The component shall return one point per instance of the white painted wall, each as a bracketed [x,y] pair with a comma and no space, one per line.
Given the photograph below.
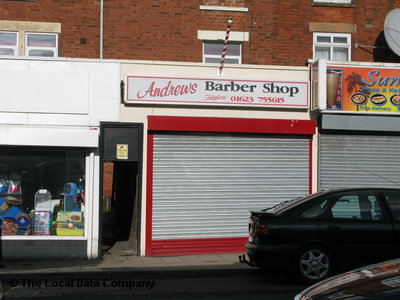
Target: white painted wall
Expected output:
[58,91]
[56,102]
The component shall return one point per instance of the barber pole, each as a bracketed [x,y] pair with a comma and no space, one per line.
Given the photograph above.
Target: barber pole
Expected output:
[229,22]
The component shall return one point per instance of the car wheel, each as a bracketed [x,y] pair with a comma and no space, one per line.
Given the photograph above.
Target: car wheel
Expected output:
[312,264]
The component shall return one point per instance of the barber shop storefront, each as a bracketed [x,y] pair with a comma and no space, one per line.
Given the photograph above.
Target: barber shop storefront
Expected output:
[217,147]
[359,133]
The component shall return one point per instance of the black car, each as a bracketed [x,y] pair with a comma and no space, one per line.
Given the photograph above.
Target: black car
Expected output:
[322,233]
[378,281]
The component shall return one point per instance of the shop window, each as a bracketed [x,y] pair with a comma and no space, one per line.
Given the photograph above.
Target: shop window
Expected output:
[332,46]
[8,43]
[42,192]
[41,44]
[212,51]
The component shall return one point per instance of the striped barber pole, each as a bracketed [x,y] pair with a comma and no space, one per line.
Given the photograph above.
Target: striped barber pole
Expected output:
[228,30]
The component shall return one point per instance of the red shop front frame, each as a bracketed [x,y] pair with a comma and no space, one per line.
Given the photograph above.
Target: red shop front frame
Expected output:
[211,125]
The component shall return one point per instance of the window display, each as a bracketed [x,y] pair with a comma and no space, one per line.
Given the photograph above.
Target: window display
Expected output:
[42,191]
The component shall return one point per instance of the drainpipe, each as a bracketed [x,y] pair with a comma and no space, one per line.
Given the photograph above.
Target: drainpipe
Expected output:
[101,27]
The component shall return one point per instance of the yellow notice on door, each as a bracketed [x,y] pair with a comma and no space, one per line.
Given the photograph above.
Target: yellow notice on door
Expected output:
[122,151]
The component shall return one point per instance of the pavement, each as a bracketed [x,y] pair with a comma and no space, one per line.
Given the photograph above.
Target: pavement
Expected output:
[118,260]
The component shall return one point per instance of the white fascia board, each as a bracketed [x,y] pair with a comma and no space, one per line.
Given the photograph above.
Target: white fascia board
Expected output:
[213,35]
[223,8]
[53,137]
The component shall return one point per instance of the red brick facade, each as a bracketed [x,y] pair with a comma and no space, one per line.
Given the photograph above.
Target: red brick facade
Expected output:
[166,30]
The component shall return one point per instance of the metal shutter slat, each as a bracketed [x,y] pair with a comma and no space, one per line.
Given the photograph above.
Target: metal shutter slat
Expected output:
[358,160]
[205,185]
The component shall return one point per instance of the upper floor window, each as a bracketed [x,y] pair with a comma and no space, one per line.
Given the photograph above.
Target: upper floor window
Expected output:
[8,43]
[332,46]
[23,38]
[41,44]
[212,51]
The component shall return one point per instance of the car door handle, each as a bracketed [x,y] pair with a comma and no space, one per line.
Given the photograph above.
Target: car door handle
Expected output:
[334,227]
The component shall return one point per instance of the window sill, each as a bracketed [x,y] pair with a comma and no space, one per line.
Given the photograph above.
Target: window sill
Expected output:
[212,35]
[345,5]
[224,8]
[41,237]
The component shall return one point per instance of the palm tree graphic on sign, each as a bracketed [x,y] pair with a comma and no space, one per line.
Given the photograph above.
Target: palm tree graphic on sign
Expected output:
[355,84]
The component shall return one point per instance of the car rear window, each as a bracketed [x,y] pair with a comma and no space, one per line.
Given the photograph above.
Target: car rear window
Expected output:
[285,205]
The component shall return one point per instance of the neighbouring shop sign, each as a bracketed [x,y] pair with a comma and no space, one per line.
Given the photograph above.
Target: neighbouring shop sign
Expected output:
[194,91]
[362,89]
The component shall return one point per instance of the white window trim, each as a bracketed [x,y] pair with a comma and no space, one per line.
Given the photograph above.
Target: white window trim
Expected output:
[223,8]
[219,56]
[333,1]
[39,237]
[23,26]
[16,47]
[218,36]
[331,45]
[28,48]
[214,35]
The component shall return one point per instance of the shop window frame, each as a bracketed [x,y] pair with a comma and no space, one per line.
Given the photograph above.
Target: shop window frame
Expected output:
[88,163]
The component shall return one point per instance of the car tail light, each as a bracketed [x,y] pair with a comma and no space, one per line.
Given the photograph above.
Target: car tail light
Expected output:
[258,228]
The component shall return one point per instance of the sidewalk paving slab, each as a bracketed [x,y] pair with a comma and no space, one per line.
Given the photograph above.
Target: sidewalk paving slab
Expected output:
[118,263]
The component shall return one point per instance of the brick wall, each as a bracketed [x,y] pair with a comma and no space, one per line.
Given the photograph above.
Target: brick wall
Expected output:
[230,3]
[79,19]
[167,29]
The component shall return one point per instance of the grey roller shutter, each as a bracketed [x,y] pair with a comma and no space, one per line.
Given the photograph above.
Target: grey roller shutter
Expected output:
[359,161]
[205,185]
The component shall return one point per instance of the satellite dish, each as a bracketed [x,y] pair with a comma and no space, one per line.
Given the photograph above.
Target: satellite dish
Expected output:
[392,30]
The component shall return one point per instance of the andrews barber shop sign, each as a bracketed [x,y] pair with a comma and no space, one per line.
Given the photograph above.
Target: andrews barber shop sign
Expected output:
[194,91]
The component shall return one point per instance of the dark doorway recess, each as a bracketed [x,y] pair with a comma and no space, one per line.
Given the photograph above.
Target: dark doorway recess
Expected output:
[121,187]
[118,208]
